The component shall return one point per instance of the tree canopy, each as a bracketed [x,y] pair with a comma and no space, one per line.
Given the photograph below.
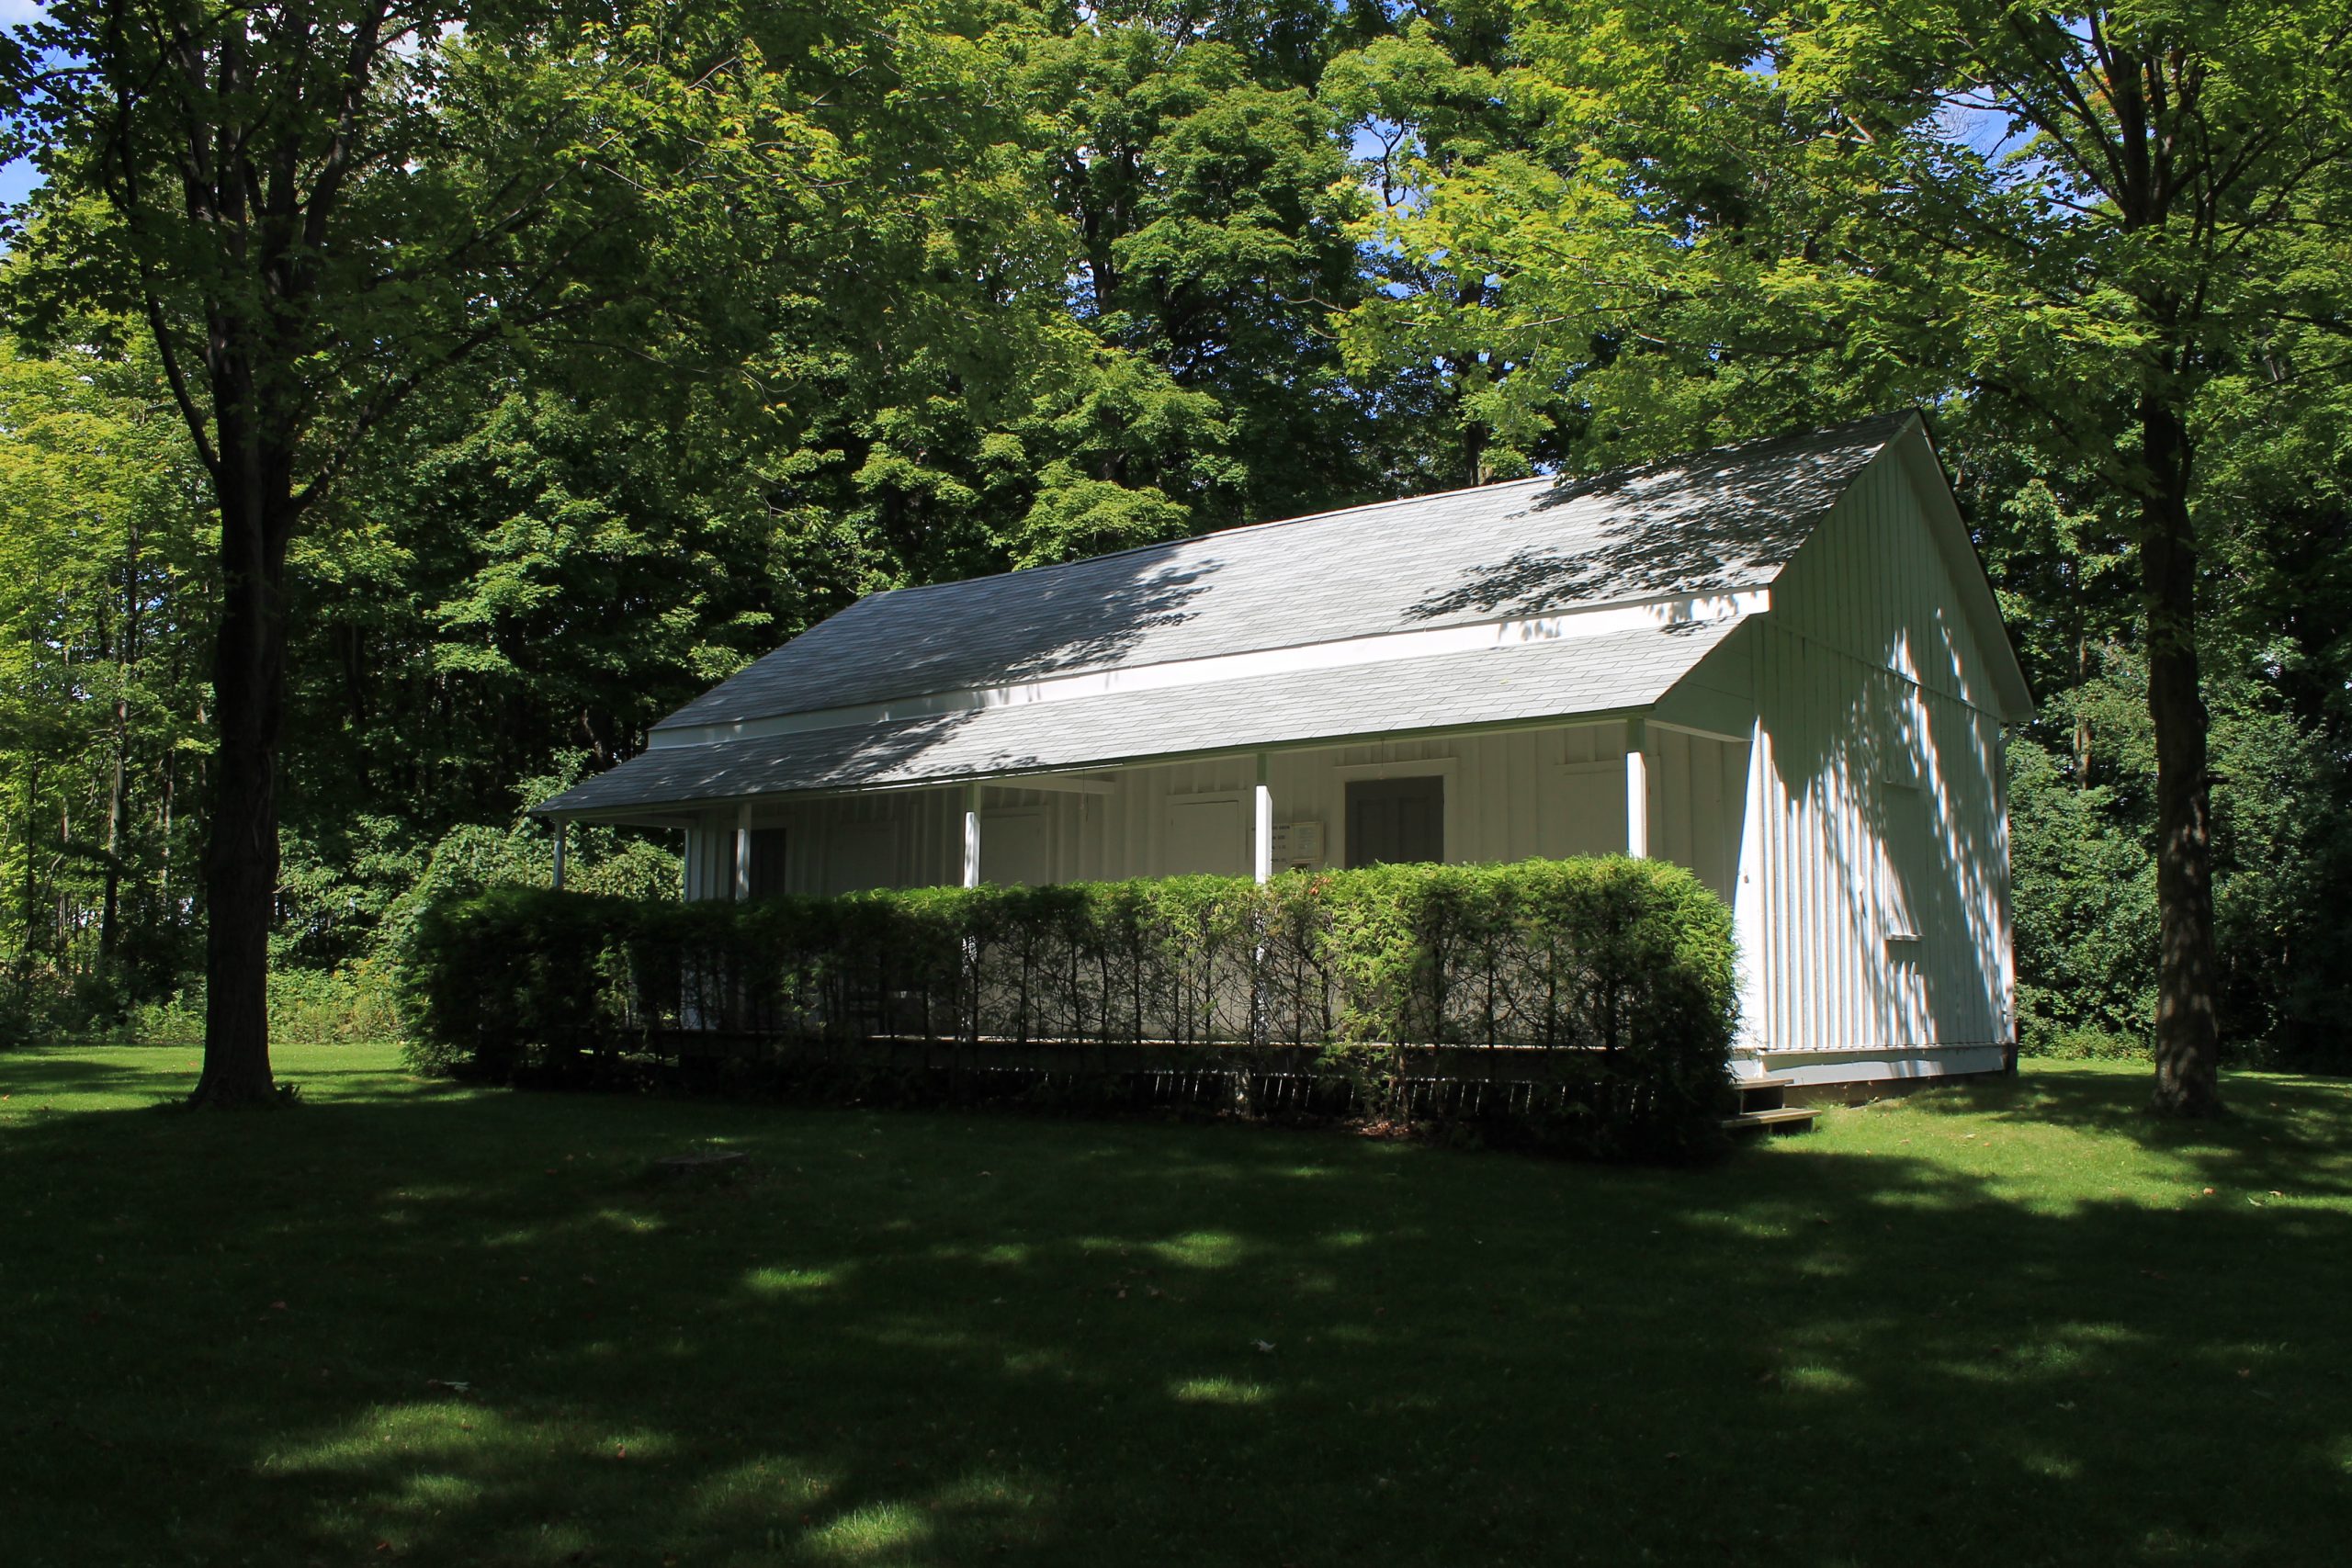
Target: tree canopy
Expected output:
[405,405]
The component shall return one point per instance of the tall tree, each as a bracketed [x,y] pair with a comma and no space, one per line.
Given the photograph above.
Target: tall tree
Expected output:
[318,207]
[1425,100]
[1210,198]
[2108,222]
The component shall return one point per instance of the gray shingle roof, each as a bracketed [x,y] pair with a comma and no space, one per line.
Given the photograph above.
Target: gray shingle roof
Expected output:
[1719,521]
[1729,518]
[1617,670]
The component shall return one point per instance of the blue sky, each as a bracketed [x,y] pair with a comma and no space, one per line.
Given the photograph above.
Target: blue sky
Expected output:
[17,178]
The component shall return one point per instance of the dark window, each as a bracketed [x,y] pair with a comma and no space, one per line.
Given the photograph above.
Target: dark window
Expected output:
[1395,820]
[767,862]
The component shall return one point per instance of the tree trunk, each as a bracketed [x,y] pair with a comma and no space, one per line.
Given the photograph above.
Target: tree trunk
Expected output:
[32,856]
[2187,1036]
[1473,433]
[163,828]
[240,858]
[126,653]
[110,902]
[2082,721]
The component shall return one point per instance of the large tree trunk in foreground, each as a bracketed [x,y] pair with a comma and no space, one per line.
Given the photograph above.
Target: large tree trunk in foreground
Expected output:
[240,857]
[2188,1035]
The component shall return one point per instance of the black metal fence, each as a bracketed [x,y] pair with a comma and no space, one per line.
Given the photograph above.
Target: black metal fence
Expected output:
[1595,994]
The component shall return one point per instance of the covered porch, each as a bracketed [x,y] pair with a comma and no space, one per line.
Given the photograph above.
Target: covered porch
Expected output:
[1623,784]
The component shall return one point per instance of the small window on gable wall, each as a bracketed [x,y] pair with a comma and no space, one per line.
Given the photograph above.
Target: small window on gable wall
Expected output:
[1904,850]
[1902,858]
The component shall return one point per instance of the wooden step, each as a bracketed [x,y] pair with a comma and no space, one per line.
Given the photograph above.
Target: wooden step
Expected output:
[1793,1117]
[1767,1081]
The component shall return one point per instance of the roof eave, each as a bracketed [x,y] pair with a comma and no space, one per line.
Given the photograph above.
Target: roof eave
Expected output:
[682,810]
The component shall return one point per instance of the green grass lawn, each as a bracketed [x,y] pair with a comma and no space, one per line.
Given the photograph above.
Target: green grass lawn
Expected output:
[2010,1325]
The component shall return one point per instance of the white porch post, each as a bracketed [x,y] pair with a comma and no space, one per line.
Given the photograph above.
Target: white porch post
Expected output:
[562,831]
[1637,789]
[971,835]
[1261,823]
[744,851]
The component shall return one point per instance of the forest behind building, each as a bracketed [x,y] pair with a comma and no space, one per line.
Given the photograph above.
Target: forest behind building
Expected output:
[882,293]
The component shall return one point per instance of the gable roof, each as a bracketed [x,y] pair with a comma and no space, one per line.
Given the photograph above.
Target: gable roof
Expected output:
[1417,610]
[1724,519]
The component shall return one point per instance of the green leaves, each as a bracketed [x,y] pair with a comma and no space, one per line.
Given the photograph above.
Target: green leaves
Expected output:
[104,597]
[640,339]
[1624,966]
[2095,239]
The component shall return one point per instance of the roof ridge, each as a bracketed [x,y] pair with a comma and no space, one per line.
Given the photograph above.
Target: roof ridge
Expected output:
[1745,444]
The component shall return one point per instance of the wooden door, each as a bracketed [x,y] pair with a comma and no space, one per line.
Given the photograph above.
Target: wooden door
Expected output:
[1395,821]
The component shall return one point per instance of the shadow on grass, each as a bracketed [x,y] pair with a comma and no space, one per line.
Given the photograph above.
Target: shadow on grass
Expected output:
[37,1075]
[480,1328]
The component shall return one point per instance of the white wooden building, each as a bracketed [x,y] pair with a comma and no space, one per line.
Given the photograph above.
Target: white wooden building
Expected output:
[1779,664]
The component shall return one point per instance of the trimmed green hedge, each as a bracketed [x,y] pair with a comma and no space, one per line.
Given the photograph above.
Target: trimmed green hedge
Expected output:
[1623,968]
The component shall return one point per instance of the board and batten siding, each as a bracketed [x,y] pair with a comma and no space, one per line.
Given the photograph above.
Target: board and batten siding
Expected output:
[1552,791]
[1873,900]
[838,845]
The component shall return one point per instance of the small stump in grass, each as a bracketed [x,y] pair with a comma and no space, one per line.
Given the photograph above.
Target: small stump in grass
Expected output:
[717,1165]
